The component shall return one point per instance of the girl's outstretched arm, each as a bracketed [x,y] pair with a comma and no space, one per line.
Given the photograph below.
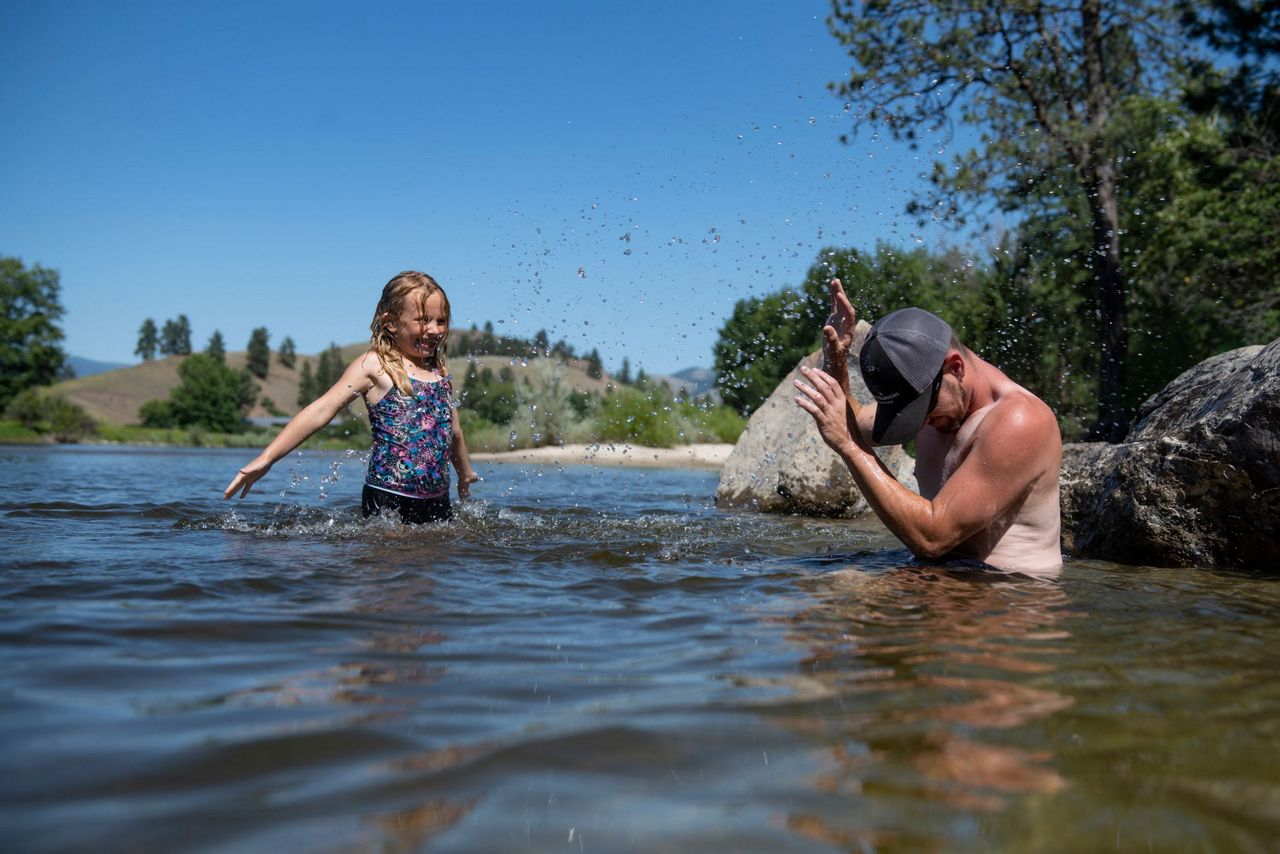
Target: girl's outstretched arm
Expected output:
[461,460]
[355,381]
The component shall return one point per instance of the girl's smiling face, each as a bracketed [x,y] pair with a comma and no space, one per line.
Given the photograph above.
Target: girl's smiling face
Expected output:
[420,328]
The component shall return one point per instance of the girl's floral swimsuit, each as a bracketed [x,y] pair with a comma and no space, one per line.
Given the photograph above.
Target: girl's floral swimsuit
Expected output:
[412,440]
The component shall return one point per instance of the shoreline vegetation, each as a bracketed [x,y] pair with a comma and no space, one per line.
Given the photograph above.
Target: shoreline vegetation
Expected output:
[701,455]
[527,395]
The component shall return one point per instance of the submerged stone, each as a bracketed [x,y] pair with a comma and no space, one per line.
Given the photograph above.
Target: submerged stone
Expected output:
[781,465]
[1197,480]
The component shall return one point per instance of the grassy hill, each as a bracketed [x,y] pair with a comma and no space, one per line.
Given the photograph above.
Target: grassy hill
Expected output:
[114,397]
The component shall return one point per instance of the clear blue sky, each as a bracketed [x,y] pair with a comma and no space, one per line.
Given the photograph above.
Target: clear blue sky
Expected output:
[273,164]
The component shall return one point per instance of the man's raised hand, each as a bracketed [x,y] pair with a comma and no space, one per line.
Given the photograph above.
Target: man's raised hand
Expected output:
[837,335]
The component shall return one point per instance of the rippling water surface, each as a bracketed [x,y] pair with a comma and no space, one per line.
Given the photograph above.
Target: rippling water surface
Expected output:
[593,659]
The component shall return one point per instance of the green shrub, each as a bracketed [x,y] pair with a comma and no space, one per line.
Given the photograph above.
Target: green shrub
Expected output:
[51,414]
[68,422]
[270,405]
[643,417]
[211,396]
[156,413]
[712,423]
[26,408]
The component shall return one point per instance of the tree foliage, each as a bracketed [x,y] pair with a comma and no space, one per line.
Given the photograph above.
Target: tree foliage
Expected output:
[287,355]
[493,398]
[50,414]
[306,384]
[1044,83]
[217,348]
[210,395]
[175,337]
[329,369]
[595,367]
[258,352]
[31,351]
[148,341]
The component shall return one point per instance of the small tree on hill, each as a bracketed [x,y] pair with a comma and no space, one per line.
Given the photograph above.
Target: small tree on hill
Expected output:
[258,352]
[168,338]
[148,340]
[217,348]
[184,336]
[287,355]
[595,368]
[329,370]
[175,337]
[306,383]
[624,374]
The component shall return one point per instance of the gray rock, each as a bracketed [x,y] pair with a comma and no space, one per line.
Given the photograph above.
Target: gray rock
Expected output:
[781,465]
[1197,480]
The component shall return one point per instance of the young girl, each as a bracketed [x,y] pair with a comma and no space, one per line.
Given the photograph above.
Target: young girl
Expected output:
[408,394]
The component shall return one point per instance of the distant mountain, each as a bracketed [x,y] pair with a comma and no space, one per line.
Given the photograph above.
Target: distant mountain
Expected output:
[88,367]
[696,381]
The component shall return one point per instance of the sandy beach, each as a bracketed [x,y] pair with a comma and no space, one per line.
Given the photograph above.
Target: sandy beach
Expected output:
[615,454]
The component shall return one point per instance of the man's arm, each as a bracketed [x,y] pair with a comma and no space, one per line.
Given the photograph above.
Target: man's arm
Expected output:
[999,471]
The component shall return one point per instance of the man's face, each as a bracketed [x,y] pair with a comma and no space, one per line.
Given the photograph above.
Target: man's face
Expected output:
[949,413]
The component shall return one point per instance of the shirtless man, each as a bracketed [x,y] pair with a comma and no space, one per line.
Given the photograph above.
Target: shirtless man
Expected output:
[988,451]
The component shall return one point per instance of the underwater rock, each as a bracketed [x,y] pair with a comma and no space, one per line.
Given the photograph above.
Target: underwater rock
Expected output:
[781,464]
[1197,480]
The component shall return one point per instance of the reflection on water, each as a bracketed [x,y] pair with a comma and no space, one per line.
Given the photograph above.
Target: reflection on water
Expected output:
[925,677]
[599,660]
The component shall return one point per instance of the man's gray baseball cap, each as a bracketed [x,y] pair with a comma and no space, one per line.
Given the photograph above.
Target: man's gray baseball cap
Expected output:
[901,363]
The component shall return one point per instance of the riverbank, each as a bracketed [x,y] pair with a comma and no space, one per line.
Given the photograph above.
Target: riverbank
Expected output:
[697,456]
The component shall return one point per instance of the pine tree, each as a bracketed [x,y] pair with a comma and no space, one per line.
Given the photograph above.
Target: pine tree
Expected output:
[306,384]
[287,355]
[216,347]
[148,340]
[182,338]
[329,370]
[169,339]
[259,353]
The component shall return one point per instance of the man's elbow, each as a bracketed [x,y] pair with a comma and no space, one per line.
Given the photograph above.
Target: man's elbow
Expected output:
[933,546]
[929,552]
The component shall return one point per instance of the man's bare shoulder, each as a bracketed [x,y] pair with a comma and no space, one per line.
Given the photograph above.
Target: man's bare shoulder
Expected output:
[1020,428]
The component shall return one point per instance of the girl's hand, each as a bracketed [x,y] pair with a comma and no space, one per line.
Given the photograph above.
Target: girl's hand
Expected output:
[246,478]
[464,484]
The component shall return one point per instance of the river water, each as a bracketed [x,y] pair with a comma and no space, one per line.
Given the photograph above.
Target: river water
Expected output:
[594,659]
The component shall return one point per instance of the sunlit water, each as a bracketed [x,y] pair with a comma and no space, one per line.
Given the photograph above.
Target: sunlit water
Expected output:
[594,659]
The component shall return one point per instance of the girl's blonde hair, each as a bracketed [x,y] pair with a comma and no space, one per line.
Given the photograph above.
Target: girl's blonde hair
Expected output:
[396,295]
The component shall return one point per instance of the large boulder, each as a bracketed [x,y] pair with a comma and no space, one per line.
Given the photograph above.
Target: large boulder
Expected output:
[1197,480]
[781,464]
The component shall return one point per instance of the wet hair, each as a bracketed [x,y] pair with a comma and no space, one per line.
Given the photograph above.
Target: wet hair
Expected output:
[397,295]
